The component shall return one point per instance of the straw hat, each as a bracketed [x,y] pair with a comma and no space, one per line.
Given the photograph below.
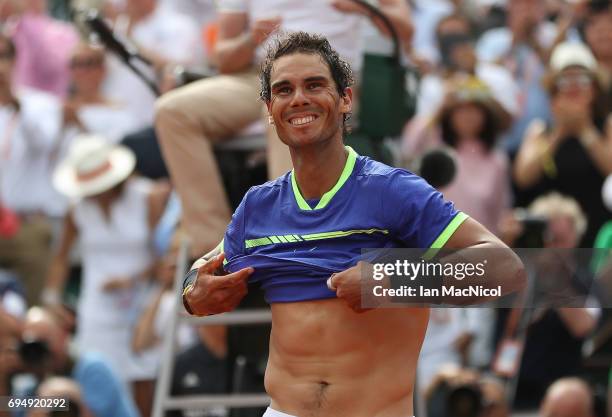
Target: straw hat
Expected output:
[93,166]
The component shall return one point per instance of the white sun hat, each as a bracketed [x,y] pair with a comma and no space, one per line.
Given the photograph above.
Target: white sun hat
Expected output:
[569,54]
[93,166]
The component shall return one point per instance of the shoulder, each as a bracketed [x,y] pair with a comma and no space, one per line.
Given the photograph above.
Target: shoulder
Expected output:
[374,173]
[268,190]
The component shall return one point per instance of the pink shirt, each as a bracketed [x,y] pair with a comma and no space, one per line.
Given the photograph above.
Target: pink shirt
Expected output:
[44,46]
[481,187]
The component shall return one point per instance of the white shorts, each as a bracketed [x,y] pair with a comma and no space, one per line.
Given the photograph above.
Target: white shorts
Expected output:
[273,413]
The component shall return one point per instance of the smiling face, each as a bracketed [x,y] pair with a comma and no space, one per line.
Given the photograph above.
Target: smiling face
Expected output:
[304,102]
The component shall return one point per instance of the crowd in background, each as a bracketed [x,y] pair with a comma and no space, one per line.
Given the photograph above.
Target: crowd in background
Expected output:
[101,180]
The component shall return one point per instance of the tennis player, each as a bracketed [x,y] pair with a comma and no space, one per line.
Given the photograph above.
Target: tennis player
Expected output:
[329,357]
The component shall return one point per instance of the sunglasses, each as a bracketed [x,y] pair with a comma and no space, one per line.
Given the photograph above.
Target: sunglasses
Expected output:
[565,82]
[86,63]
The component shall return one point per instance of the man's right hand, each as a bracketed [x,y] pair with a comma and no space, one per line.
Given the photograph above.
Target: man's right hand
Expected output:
[214,294]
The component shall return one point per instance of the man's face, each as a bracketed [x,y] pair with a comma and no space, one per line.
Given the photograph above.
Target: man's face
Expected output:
[305,103]
[598,34]
[87,69]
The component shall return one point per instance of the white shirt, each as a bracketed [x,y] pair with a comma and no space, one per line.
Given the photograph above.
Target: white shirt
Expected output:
[314,16]
[27,141]
[169,34]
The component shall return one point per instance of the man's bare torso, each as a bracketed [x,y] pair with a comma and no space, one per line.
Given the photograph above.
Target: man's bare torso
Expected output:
[328,361]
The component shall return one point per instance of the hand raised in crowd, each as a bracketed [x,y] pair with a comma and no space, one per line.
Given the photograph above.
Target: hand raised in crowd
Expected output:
[263,28]
[572,115]
[213,293]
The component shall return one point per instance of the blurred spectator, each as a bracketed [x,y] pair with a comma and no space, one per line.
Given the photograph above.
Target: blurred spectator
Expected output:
[191,118]
[30,123]
[597,29]
[45,352]
[65,388]
[87,109]
[574,154]
[522,47]
[550,328]
[455,40]
[471,123]
[153,323]
[9,361]
[12,304]
[114,218]
[160,35]
[44,45]
[568,397]
[456,391]
[201,369]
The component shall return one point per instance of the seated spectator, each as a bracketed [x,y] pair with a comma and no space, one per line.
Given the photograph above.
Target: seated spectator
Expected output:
[102,391]
[31,122]
[573,155]
[44,45]
[568,397]
[114,216]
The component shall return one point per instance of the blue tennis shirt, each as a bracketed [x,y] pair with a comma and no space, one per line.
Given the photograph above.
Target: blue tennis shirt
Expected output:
[294,245]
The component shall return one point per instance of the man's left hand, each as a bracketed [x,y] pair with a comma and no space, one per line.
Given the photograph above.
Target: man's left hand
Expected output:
[348,286]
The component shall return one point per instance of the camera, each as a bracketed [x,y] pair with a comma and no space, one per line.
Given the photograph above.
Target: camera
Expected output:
[450,400]
[34,353]
[534,230]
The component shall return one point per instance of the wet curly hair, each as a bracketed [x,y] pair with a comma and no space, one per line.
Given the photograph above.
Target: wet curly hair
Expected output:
[306,43]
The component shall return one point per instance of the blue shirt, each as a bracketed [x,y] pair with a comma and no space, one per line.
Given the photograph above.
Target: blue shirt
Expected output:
[295,247]
[103,393]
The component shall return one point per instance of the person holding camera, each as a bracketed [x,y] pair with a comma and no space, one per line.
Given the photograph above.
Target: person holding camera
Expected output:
[45,352]
[562,318]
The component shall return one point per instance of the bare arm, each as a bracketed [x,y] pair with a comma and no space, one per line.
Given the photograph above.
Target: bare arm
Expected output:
[58,270]
[144,333]
[536,149]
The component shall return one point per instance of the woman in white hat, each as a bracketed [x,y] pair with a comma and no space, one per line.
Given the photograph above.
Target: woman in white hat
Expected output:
[113,216]
[574,154]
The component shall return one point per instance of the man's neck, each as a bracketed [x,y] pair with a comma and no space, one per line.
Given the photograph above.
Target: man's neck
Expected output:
[317,168]
[86,97]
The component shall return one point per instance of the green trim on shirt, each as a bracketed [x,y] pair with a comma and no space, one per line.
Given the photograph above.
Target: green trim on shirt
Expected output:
[346,172]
